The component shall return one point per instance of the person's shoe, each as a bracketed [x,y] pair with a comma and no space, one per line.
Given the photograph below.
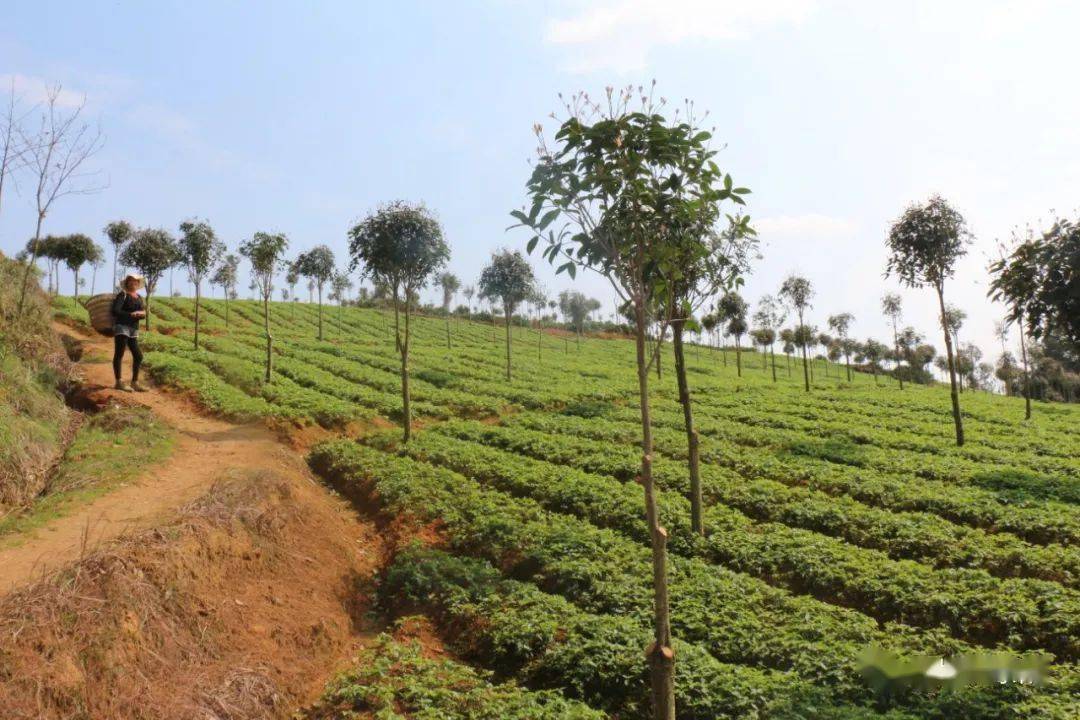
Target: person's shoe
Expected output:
[137,387]
[122,386]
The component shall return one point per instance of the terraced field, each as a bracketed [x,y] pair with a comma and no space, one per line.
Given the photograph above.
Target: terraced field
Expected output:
[836,519]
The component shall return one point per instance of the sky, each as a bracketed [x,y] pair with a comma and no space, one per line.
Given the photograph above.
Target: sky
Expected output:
[302,117]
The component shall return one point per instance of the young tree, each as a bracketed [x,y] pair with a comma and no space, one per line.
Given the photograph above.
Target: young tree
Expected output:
[95,265]
[1040,284]
[841,325]
[732,309]
[226,276]
[292,279]
[709,321]
[152,251]
[769,317]
[623,182]
[873,352]
[200,251]
[341,285]
[954,320]
[509,279]
[77,250]
[119,233]
[318,266]
[892,307]
[797,292]
[402,246]
[469,291]
[787,336]
[924,245]
[266,252]
[449,284]
[55,155]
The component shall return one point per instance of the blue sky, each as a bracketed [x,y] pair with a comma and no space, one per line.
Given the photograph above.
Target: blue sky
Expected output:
[302,117]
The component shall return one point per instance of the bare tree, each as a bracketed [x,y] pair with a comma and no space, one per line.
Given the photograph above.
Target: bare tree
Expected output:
[56,154]
[12,150]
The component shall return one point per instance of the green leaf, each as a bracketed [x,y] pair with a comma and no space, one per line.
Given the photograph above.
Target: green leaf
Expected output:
[532,244]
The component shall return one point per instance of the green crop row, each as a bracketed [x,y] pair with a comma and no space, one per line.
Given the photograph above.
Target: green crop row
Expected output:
[737,619]
[393,679]
[918,536]
[1025,614]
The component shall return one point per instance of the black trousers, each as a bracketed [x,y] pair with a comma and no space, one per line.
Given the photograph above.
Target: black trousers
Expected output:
[119,343]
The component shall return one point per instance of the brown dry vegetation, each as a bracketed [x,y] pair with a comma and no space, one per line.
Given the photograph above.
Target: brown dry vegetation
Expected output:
[240,608]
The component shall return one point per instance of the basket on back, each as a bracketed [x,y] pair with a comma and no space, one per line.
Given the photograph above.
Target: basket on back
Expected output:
[100,309]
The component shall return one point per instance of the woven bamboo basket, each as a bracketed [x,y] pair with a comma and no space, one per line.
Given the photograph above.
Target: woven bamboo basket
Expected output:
[99,308]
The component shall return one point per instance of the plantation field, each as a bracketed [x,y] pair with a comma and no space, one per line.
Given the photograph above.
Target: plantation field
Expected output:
[835,519]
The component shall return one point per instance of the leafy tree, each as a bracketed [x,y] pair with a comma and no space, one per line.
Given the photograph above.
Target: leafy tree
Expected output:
[575,306]
[924,245]
[797,292]
[292,279]
[509,279]
[119,233]
[713,262]
[266,253]
[226,276]
[341,284]
[151,251]
[841,325]
[201,251]
[317,265]
[469,291]
[626,184]
[449,284]
[787,337]
[709,321]
[873,352]
[769,317]
[1040,281]
[401,246]
[77,250]
[954,320]
[892,307]
[732,309]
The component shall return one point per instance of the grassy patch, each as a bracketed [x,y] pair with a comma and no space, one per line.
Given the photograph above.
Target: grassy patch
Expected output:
[108,451]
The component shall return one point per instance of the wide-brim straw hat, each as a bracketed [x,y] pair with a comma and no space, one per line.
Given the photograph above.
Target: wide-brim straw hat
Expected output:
[133,276]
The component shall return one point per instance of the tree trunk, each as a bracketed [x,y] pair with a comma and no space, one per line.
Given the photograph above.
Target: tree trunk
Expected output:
[226,306]
[320,314]
[507,312]
[805,368]
[76,293]
[772,356]
[738,355]
[30,263]
[448,346]
[539,340]
[959,360]
[692,440]
[660,655]
[952,370]
[149,292]
[269,337]
[115,256]
[1027,373]
[406,408]
[198,295]
[847,362]
[397,320]
[896,349]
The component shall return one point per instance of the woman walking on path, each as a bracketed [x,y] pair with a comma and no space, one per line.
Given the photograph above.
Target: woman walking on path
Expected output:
[127,310]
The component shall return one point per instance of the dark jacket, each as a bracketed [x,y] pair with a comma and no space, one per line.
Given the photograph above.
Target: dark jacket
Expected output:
[122,307]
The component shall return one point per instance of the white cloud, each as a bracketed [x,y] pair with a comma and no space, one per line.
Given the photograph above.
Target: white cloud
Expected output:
[809,226]
[35,90]
[620,35]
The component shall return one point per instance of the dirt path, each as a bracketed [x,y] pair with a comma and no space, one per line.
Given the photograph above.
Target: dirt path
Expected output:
[205,449]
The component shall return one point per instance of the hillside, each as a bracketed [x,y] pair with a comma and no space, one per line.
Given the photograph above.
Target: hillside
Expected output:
[836,519]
